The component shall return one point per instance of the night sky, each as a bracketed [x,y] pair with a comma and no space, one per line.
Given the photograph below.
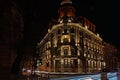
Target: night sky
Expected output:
[103,13]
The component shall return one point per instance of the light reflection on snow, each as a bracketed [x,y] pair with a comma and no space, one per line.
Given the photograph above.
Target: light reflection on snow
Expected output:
[111,76]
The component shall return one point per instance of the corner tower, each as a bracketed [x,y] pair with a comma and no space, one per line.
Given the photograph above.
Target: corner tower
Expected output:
[66,12]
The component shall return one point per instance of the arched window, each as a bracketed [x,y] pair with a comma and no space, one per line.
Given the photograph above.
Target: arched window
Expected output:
[65,50]
[65,40]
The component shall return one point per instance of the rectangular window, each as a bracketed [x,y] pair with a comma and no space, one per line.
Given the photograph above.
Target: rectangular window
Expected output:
[65,31]
[73,52]
[65,50]
[65,63]
[57,64]
[58,52]
[73,63]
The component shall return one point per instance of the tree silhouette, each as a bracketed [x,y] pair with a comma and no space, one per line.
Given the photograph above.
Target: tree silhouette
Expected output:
[16,65]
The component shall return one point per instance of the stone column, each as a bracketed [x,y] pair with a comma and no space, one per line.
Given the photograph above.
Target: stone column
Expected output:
[62,66]
[49,66]
[89,66]
[54,65]
[69,65]
[79,64]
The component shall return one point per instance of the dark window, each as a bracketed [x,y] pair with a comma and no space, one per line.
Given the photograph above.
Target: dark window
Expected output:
[58,52]
[47,64]
[57,64]
[72,36]
[65,31]
[73,53]
[59,40]
[80,33]
[72,30]
[73,63]
[59,31]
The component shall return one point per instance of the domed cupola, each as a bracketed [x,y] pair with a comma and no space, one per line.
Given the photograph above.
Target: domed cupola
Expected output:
[66,12]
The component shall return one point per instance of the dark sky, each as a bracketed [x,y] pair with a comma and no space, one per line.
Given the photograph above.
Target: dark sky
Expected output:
[103,13]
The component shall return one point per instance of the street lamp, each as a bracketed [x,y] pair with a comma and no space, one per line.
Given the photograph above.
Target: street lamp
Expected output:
[39,62]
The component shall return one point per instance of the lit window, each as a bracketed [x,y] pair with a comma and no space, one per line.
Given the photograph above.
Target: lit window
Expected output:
[72,62]
[86,27]
[91,55]
[65,38]
[65,63]
[69,20]
[61,21]
[85,54]
[65,50]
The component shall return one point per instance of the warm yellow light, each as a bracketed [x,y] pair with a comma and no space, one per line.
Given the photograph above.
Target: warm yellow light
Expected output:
[62,61]
[65,36]
[86,27]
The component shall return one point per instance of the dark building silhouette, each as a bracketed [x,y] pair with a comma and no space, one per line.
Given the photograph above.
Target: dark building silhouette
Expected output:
[11,38]
[111,56]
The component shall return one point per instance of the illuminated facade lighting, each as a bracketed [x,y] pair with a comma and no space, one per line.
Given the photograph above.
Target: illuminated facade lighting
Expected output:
[70,46]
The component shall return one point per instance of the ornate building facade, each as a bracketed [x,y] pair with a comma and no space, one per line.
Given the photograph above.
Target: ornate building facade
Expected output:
[71,44]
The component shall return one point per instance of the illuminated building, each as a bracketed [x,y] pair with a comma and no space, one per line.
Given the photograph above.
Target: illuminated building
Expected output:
[111,55]
[71,44]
